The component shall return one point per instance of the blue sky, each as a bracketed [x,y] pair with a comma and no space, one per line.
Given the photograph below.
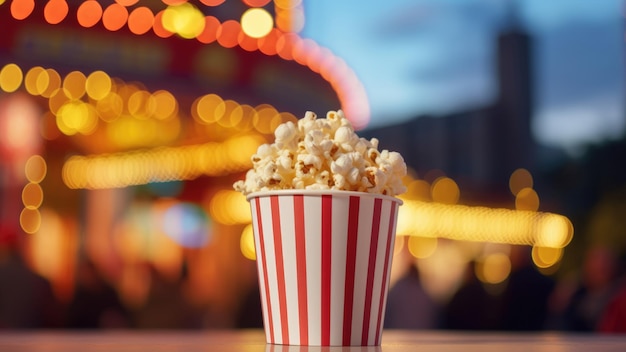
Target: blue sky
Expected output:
[419,57]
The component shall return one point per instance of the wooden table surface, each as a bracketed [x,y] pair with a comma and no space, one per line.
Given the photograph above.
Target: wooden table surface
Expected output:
[254,341]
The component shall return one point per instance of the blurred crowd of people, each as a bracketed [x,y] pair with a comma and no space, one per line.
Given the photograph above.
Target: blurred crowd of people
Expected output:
[27,301]
[593,301]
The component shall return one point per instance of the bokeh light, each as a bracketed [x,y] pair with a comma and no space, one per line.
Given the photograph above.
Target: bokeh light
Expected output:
[30,220]
[74,84]
[11,78]
[483,224]
[140,20]
[493,268]
[35,169]
[246,243]
[445,190]
[114,17]
[421,247]
[256,22]
[230,208]
[77,117]
[527,199]
[36,80]
[159,164]
[32,196]
[228,34]
[187,224]
[545,257]
[184,19]
[166,105]
[208,108]
[89,13]
[19,126]
[20,9]
[54,83]
[520,179]
[98,85]
[55,11]
[256,3]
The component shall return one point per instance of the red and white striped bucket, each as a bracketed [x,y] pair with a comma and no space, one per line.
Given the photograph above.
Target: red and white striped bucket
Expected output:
[323,259]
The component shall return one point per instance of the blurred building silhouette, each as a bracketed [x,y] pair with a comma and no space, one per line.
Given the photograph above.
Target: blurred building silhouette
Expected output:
[479,148]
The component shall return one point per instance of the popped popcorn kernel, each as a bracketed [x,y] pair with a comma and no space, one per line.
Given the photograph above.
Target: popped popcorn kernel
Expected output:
[320,154]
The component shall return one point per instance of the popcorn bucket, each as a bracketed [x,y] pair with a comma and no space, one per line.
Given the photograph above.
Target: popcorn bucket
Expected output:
[323,259]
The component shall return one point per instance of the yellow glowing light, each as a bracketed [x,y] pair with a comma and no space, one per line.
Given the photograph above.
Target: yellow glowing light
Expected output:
[160,164]
[527,199]
[422,247]
[125,90]
[398,245]
[445,190]
[520,179]
[77,117]
[53,83]
[32,196]
[248,115]
[141,104]
[110,107]
[232,114]
[57,99]
[166,105]
[229,207]
[184,19]
[418,190]
[10,78]
[494,268]
[482,224]
[36,80]
[263,119]
[545,257]
[554,231]
[74,84]
[35,169]
[209,108]
[246,243]
[257,22]
[127,132]
[50,247]
[30,220]
[98,85]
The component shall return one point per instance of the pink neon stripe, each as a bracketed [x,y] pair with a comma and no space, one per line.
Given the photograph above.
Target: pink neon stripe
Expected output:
[298,205]
[383,287]
[371,265]
[353,228]
[327,227]
[280,269]
[262,258]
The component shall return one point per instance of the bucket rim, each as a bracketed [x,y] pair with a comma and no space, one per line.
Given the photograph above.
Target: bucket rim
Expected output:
[320,192]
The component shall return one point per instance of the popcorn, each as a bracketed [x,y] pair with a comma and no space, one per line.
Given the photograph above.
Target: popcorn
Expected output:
[320,154]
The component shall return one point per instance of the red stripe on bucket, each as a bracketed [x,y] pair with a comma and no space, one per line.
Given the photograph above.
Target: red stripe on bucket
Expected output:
[371,266]
[303,315]
[327,227]
[383,287]
[263,259]
[280,269]
[353,229]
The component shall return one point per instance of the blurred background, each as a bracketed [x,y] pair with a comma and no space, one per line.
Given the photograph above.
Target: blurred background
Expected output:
[123,125]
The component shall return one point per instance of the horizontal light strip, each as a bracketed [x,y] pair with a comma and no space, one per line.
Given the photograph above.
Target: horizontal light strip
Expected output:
[160,164]
[483,224]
